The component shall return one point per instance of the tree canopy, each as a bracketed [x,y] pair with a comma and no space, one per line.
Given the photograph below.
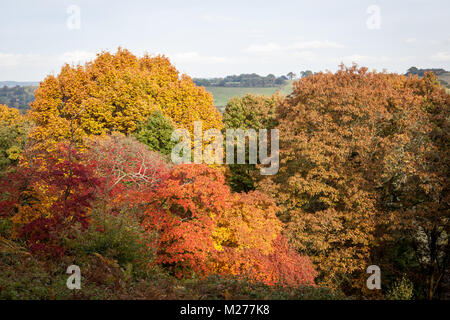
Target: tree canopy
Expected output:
[353,147]
[116,92]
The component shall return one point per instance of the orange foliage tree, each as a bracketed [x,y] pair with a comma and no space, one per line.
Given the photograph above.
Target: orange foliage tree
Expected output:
[282,266]
[115,92]
[418,190]
[249,222]
[183,213]
[204,229]
[347,140]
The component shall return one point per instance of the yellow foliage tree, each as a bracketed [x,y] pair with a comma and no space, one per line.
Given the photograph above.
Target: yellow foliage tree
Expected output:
[10,116]
[349,144]
[13,131]
[114,93]
[250,222]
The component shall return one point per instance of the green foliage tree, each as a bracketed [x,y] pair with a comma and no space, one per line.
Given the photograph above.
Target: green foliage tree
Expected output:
[401,290]
[305,73]
[156,133]
[249,112]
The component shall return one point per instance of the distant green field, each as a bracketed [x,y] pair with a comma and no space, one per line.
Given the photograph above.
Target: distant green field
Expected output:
[445,77]
[223,94]
[287,88]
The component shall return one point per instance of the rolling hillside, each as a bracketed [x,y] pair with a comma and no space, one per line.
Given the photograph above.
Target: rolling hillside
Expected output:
[445,77]
[223,94]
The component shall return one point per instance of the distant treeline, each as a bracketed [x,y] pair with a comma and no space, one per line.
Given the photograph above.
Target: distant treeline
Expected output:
[20,94]
[17,97]
[243,80]
[442,74]
[19,83]
[421,72]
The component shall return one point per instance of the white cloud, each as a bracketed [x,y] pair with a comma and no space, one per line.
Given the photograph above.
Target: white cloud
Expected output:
[275,48]
[195,57]
[18,59]
[32,67]
[362,59]
[316,44]
[256,33]
[216,18]
[444,42]
[76,57]
[306,55]
[264,49]
[441,56]
[13,59]
[410,40]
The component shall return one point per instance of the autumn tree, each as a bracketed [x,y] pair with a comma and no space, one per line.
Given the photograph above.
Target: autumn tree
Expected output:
[250,244]
[13,132]
[283,265]
[249,222]
[344,139]
[249,112]
[46,196]
[416,191]
[115,92]
[156,133]
[204,229]
[52,192]
[183,213]
[129,170]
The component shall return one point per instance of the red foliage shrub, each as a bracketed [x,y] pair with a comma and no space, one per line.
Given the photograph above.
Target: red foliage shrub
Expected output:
[130,171]
[49,196]
[192,214]
[182,212]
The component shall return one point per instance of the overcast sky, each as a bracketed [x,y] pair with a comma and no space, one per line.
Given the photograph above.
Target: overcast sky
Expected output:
[218,38]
